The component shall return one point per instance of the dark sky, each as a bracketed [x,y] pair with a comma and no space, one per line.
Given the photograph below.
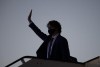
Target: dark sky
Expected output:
[80,20]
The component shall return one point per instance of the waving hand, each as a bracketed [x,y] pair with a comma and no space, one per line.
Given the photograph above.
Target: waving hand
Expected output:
[29,17]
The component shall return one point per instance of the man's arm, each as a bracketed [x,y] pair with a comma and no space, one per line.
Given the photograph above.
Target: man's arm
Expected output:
[35,28]
[65,50]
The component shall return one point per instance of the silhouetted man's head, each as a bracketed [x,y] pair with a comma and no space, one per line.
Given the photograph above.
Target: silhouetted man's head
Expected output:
[54,27]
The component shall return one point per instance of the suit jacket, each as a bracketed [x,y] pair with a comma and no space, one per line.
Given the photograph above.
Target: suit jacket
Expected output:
[60,50]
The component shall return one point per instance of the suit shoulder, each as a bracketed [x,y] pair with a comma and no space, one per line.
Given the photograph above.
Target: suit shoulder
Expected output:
[62,38]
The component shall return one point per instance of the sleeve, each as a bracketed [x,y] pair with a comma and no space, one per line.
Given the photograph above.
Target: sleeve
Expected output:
[65,50]
[38,31]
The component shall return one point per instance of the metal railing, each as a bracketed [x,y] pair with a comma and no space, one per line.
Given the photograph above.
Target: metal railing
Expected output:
[31,57]
[20,59]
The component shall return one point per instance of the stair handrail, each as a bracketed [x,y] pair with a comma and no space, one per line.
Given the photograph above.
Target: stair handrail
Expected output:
[31,57]
[20,59]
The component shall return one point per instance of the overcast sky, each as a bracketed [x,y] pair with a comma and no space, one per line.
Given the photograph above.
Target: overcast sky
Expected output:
[80,20]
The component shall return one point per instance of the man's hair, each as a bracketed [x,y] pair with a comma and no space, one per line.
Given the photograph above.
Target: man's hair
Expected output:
[55,24]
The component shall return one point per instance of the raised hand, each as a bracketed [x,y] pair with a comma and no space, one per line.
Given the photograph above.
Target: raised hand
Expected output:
[29,17]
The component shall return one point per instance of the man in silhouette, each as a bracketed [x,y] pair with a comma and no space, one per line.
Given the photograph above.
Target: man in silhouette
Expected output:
[54,47]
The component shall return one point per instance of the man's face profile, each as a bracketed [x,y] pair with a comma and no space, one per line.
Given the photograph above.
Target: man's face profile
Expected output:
[51,29]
